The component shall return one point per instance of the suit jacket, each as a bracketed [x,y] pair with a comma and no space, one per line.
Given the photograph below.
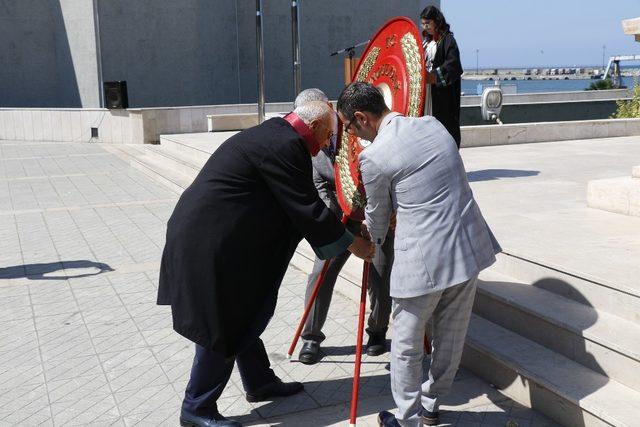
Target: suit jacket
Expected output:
[325,181]
[233,232]
[413,167]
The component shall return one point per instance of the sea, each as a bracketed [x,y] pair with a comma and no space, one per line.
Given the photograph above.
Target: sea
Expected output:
[470,87]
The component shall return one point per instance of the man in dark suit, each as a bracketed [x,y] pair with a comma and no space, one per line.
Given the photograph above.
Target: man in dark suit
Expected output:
[324,180]
[229,242]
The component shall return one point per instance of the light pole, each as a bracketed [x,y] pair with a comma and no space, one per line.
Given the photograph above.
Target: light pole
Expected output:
[295,36]
[260,49]
[604,48]
[96,29]
[477,67]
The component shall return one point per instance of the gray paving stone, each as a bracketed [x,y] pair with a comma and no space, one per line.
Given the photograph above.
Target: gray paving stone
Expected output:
[23,375]
[127,359]
[161,417]
[89,387]
[81,345]
[122,380]
[119,342]
[24,398]
[70,368]
[147,399]
[112,328]
[12,360]
[31,415]
[87,411]
[55,307]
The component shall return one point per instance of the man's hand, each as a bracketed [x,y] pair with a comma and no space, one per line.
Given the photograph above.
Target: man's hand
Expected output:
[431,78]
[392,223]
[364,231]
[362,248]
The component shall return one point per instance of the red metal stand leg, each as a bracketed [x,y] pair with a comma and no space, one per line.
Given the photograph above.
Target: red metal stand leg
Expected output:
[312,300]
[307,309]
[356,371]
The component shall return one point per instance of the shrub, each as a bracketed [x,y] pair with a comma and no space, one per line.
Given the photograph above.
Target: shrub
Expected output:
[629,109]
[601,85]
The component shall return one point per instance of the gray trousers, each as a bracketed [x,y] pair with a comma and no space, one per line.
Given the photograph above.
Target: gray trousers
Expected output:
[379,273]
[449,312]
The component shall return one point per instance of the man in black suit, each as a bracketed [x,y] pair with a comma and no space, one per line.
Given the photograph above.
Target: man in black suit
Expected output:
[229,243]
[379,273]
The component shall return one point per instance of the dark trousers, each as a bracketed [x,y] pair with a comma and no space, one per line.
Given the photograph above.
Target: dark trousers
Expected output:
[379,275]
[211,371]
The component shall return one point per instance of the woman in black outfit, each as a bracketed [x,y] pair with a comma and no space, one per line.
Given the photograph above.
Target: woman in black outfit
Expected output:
[443,71]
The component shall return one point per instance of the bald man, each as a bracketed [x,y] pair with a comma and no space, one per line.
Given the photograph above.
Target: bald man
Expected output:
[229,243]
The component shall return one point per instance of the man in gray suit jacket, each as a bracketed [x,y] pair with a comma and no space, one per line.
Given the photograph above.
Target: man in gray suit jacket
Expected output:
[442,243]
[324,180]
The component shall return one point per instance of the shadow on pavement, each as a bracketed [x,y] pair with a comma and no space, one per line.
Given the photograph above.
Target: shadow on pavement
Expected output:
[465,405]
[43,271]
[493,174]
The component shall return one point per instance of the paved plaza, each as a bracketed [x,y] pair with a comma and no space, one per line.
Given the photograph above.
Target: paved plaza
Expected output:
[83,343]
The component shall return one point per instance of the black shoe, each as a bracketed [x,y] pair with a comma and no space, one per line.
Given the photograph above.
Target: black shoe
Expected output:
[217,420]
[309,353]
[430,418]
[274,389]
[387,419]
[376,345]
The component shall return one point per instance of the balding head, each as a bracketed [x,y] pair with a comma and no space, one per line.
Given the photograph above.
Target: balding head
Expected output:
[320,118]
[308,95]
[313,110]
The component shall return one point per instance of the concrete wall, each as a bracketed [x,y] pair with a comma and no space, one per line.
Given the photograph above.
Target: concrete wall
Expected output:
[186,52]
[171,52]
[131,126]
[524,133]
[569,96]
[137,126]
[72,125]
[543,112]
[325,26]
[38,66]
[78,20]
[200,52]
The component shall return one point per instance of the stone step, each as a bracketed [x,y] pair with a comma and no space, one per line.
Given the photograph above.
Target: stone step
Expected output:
[236,121]
[617,195]
[171,161]
[126,151]
[349,280]
[546,381]
[613,298]
[175,181]
[196,147]
[598,340]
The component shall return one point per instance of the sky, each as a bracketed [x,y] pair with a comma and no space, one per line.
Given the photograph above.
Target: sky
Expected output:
[528,33]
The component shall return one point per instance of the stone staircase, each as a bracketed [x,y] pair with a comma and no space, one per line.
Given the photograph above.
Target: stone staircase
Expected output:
[619,195]
[566,345]
[551,339]
[174,162]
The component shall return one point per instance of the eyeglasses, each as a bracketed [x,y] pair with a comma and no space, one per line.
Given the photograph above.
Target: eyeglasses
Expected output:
[346,128]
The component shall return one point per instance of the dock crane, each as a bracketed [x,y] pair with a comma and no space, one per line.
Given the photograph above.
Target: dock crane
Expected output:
[613,67]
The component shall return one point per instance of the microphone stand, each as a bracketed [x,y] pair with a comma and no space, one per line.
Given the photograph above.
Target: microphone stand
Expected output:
[350,51]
